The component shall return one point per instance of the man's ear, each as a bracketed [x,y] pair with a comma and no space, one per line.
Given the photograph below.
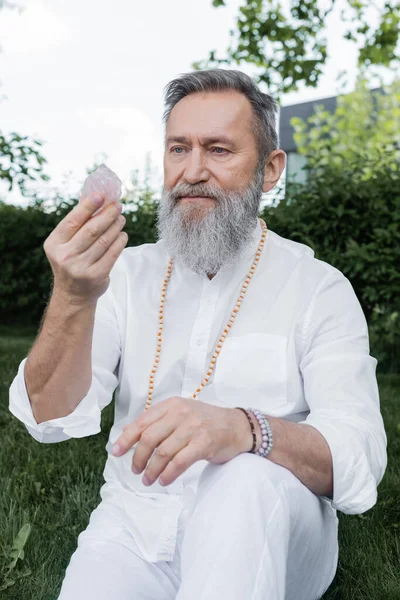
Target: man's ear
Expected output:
[274,167]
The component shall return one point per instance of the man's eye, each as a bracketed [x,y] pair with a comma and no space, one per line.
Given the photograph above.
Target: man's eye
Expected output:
[219,148]
[214,148]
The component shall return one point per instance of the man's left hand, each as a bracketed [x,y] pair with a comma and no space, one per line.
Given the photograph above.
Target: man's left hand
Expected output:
[183,431]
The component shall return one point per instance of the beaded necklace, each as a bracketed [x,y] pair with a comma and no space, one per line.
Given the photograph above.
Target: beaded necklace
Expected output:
[225,332]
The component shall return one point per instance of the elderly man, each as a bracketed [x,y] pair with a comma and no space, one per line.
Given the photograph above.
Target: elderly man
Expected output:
[246,402]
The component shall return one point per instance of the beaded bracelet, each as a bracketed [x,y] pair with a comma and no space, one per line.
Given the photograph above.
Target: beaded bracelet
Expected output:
[253,431]
[266,432]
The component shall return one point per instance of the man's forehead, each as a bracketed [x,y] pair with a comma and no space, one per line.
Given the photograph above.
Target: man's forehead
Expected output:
[204,140]
[223,117]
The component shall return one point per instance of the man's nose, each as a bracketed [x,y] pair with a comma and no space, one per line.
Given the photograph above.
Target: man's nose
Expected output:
[195,168]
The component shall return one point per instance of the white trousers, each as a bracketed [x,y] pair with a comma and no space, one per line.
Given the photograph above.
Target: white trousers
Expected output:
[252,531]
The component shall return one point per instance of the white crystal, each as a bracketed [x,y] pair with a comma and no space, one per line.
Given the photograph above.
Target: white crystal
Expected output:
[104,181]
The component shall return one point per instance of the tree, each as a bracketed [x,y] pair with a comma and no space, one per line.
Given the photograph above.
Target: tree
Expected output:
[20,159]
[16,156]
[363,125]
[292,49]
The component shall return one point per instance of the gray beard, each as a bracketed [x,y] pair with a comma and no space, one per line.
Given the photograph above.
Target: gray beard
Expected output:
[205,238]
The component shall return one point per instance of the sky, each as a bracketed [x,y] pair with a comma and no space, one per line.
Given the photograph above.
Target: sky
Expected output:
[87,78]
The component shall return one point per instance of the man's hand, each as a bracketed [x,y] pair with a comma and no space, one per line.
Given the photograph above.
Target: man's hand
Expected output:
[184,431]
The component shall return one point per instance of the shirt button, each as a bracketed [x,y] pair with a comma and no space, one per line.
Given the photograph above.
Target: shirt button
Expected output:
[199,342]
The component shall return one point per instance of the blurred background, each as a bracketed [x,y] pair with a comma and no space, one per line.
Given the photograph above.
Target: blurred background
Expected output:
[81,83]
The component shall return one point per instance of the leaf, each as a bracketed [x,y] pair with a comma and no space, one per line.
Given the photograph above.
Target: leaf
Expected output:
[6,584]
[17,551]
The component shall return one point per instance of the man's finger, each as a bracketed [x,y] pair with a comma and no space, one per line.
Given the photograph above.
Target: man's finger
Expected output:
[78,216]
[181,462]
[153,437]
[132,431]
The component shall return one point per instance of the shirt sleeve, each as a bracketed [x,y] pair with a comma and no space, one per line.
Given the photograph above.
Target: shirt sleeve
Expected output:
[86,418]
[340,387]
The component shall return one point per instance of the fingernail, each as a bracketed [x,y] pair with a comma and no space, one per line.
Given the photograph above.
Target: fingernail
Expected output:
[145,480]
[97,199]
[116,449]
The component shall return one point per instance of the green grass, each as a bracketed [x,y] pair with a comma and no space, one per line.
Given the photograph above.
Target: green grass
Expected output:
[55,487]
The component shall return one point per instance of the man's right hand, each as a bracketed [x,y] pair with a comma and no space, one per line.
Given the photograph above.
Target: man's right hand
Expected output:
[82,250]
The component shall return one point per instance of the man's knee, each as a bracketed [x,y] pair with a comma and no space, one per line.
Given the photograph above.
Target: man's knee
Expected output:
[245,470]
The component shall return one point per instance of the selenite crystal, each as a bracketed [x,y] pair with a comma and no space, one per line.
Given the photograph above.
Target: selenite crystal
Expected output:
[105,182]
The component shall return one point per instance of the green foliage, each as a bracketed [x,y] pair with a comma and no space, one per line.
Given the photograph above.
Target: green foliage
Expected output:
[17,153]
[290,49]
[364,125]
[17,552]
[349,209]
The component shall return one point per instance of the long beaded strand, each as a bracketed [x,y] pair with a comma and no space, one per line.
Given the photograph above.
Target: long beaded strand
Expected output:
[225,332]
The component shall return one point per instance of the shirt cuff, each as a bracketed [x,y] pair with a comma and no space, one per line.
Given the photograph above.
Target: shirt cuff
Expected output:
[354,482]
[85,420]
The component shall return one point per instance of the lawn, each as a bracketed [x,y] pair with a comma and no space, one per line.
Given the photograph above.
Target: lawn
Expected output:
[54,488]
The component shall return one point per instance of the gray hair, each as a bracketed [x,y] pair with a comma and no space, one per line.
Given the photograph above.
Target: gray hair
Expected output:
[264,107]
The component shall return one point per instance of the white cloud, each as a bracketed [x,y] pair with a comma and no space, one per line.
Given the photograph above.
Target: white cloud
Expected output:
[117,117]
[36,29]
[127,133]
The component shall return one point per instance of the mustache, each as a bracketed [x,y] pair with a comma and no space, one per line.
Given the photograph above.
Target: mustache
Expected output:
[192,191]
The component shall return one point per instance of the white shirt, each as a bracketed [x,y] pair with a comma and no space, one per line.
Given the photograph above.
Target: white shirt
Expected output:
[298,349]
